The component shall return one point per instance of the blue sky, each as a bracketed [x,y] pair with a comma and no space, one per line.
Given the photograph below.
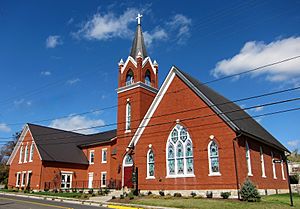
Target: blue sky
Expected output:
[59,58]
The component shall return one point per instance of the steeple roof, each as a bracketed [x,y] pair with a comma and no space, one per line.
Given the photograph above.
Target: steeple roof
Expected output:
[138,44]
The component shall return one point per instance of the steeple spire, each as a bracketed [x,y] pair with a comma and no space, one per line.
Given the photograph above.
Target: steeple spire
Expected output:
[138,44]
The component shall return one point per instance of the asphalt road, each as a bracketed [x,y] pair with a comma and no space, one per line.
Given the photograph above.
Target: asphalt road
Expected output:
[12,202]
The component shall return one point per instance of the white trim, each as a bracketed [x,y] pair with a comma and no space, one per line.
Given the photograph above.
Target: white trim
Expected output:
[128,116]
[282,169]
[90,157]
[26,153]
[129,58]
[127,131]
[262,161]
[19,142]
[23,179]
[18,178]
[135,85]
[148,176]
[90,180]
[248,160]
[102,151]
[21,154]
[31,151]
[151,63]
[273,166]
[67,173]
[125,165]
[211,173]
[180,176]
[104,172]
[153,107]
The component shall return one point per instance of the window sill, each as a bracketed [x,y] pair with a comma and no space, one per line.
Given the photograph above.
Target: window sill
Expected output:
[30,161]
[214,174]
[104,162]
[250,174]
[264,176]
[92,163]
[150,177]
[181,176]
[127,131]
[275,178]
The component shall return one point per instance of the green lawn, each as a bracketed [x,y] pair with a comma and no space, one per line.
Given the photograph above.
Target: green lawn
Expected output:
[267,202]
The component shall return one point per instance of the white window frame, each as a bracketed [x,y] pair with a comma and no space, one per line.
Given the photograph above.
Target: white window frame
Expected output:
[282,169]
[23,181]
[104,150]
[211,173]
[26,153]
[31,152]
[148,175]
[128,116]
[185,174]
[103,185]
[67,173]
[21,154]
[90,183]
[90,157]
[248,159]
[262,161]
[273,166]
[27,181]
[18,178]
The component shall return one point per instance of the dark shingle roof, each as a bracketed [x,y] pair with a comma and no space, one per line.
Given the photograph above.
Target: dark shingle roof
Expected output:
[234,113]
[63,146]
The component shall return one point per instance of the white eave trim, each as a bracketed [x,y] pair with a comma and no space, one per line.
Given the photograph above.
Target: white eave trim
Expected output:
[137,85]
[151,63]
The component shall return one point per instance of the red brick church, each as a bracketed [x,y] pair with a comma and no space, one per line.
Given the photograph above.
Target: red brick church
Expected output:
[182,136]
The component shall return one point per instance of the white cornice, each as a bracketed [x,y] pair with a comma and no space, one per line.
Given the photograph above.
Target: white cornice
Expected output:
[148,59]
[126,63]
[137,85]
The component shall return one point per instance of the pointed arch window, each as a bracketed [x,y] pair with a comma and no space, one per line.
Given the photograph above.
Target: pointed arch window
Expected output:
[263,172]
[180,153]
[150,164]
[26,154]
[128,160]
[31,152]
[148,78]
[213,158]
[128,116]
[129,78]
[248,159]
[21,154]
[282,169]
[273,166]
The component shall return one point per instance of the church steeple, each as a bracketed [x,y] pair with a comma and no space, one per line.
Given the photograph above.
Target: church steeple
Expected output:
[138,44]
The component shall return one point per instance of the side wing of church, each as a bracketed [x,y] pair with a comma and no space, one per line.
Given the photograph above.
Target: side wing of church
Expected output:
[183,137]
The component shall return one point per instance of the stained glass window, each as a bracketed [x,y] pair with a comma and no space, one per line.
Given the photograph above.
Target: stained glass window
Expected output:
[180,152]
[150,163]
[214,157]
[128,116]
[128,160]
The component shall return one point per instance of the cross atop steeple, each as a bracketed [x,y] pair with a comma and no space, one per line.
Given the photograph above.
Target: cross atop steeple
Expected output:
[139,17]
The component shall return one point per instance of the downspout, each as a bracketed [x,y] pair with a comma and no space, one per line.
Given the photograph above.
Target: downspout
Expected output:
[235,163]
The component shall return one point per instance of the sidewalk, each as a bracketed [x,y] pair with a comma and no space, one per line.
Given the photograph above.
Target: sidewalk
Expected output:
[85,202]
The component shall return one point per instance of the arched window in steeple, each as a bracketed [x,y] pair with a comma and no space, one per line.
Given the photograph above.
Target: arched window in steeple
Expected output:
[148,78]
[179,153]
[129,78]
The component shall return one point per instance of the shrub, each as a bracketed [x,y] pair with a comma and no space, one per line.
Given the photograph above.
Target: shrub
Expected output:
[149,193]
[131,196]
[225,195]
[113,197]
[106,191]
[249,192]
[93,195]
[294,179]
[193,194]
[161,193]
[121,196]
[209,194]
[177,194]
[91,191]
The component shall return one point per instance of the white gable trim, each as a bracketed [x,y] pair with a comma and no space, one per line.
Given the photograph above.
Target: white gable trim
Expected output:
[19,143]
[151,63]
[161,94]
[126,63]
[153,107]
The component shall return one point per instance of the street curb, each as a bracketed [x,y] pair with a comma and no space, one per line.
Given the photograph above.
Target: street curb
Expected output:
[86,202]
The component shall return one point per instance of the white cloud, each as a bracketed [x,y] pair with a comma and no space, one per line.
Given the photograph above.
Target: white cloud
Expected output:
[73,81]
[255,54]
[22,102]
[293,144]
[45,73]
[77,122]
[4,127]
[157,34]
[181,25]
[103,26]
[53,41]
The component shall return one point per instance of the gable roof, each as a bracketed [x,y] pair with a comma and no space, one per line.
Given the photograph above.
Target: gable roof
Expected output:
[239,120]
[64,146]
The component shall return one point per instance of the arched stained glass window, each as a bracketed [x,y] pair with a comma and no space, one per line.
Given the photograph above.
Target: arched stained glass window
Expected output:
[180,153]
[150,167]
[128,116]
[213,158]
[128,160]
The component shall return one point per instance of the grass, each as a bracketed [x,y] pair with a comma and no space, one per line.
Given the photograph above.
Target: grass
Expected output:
[281,201]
